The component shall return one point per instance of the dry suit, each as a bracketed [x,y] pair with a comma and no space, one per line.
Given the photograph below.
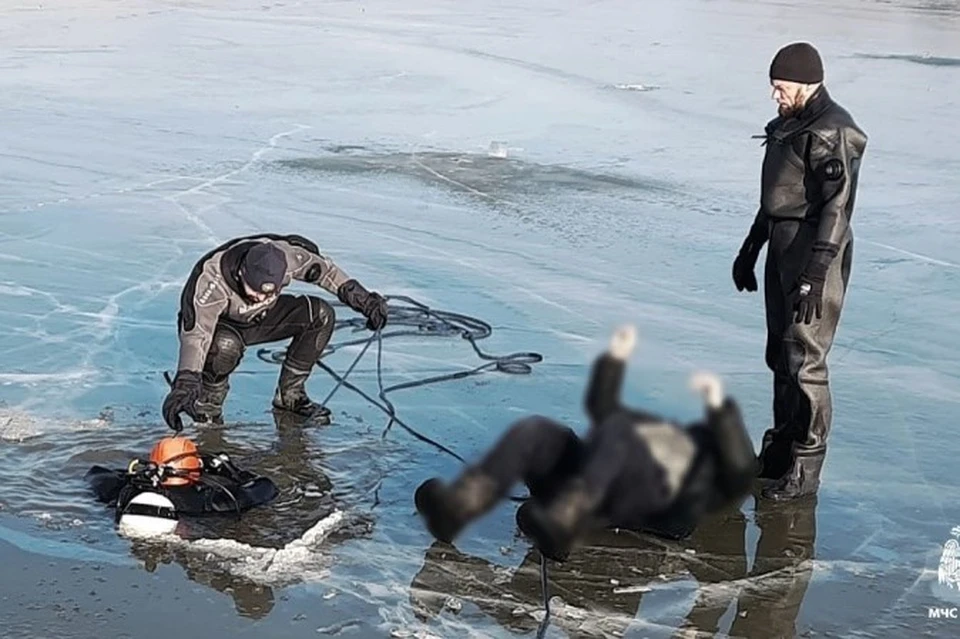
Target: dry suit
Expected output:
[218,319]
[808,188]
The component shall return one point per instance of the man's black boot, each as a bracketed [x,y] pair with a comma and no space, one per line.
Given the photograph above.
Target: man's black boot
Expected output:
[775,455]
[803,477]
[447,509]
[554,527]
[291,396]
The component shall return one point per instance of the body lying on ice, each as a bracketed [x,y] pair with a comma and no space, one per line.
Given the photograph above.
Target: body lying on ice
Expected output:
[233,299]
[633,469]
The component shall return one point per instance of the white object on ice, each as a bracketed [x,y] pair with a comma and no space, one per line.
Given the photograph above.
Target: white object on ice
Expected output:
[142,523]
[497,150]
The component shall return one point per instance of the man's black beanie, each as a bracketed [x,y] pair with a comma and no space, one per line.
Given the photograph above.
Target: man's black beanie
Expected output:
[797,62]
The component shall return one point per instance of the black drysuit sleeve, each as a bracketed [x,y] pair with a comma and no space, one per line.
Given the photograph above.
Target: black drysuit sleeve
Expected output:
[603,391]
[737,461]
[834,158]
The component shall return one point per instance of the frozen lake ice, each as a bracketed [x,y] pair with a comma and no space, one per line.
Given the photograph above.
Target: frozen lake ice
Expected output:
[553,169]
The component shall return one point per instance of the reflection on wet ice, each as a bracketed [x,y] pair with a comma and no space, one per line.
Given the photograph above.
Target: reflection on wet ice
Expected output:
[599,590]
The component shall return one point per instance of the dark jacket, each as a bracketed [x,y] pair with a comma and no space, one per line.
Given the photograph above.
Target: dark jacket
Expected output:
[810,169]
[720,464]
[213,289]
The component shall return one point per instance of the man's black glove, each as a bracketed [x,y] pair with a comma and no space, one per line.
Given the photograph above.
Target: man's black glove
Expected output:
[810,283]
[376,312]
[746,262]
[182,398]
[371,305]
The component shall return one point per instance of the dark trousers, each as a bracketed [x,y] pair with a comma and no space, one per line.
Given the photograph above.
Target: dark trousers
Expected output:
[796,353]
[307,319]
[613,464]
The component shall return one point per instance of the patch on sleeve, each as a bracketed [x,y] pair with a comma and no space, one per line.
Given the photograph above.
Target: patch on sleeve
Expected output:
[833,169]
[313,273]
[207,294]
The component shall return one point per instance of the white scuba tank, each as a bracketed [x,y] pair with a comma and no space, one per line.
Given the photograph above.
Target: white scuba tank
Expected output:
[148,514]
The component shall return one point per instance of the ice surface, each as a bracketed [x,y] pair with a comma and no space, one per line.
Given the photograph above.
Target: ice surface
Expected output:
[296,561]
[136,137]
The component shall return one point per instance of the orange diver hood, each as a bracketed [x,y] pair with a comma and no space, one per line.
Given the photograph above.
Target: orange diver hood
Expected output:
[180,455]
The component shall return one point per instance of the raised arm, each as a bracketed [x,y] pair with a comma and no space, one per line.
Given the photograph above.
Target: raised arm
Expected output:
[737,460]
[606,376]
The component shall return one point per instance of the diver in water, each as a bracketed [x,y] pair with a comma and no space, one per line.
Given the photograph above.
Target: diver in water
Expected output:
[633,470]
[233,299]
[150,495]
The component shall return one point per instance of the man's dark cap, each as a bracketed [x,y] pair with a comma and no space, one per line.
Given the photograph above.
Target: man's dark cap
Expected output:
[264,267]
[797,62]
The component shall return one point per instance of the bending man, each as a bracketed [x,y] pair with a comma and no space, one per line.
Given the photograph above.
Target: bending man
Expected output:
[633,470]
[233,299]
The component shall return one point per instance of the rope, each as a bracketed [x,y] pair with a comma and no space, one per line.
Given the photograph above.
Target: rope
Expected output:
[423,322]
[420,321]
[544,590]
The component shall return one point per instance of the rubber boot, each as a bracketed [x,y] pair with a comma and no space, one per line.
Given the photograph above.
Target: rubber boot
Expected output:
[775,454]
[775,457]
[446,510]
[802,479]
[291,396]
[210,404]
[554,527]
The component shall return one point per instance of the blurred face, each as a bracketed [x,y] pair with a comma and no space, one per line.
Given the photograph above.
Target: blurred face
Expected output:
[255,295]
[790,96]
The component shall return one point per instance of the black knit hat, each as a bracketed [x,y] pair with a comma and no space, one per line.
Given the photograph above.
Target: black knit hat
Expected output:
[264,267]
[797,62]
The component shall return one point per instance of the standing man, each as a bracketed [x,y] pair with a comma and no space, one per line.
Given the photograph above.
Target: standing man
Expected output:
[232,300]
[808,186]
